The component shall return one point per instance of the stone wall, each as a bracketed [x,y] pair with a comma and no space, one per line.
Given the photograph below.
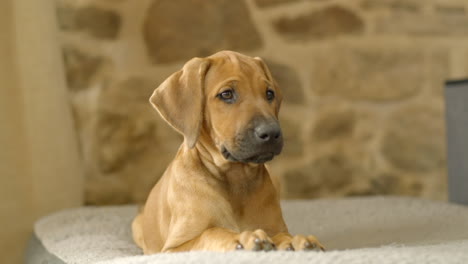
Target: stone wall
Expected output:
[363,83]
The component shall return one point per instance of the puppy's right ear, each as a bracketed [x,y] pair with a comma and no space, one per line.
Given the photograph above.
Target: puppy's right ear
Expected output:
[180,99]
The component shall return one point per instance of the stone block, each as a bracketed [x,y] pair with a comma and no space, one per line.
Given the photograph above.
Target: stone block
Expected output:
[121,138]
[273,3]
[293,139]
[334,123]
[439,23]
[372,73]
[341,159]
[80,68]
[177,30]
[66,15]
[450,9]
[327,175]
[288,81]
[439,68]
[124,126]
[99,23]
[414,139]
[328,22]
[410,6]
[388,183]
[129,145]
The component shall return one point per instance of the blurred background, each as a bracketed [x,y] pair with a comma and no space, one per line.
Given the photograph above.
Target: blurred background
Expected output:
[363,80]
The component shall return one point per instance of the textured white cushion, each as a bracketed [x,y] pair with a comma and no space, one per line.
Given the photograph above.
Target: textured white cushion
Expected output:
[355,230]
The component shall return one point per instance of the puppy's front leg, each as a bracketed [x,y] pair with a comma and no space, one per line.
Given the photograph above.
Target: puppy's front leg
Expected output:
[286,241]
[221,239]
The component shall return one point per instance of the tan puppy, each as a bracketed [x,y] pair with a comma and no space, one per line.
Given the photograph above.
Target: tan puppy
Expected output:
[217,194]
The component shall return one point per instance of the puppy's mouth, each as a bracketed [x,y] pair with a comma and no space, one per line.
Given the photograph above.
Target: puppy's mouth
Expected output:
[256,158]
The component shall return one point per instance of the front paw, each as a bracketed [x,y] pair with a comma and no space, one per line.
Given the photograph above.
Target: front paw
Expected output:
[256,241]
[301,242]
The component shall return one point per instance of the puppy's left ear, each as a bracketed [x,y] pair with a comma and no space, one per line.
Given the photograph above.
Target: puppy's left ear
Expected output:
[270,78]
[180,99]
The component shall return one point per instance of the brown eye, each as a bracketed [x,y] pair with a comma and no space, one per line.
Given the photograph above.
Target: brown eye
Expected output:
[270,95]
[227,96]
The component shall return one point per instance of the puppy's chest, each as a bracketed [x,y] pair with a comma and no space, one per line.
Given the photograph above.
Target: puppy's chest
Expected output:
[247,208]
[248,218]
[246,192]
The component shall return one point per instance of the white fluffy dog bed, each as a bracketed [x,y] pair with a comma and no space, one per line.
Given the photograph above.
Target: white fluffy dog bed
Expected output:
[354,230]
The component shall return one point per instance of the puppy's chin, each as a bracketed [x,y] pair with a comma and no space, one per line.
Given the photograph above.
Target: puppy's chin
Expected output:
[243,157]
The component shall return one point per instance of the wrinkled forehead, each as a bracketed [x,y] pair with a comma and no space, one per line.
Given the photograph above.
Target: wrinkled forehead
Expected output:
[231,65]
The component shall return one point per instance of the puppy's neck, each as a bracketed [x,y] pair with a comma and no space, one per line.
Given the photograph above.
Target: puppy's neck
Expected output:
[239,177]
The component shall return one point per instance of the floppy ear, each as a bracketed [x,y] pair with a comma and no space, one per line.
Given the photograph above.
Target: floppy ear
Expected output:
[267,72]
[264,67]
[180,99]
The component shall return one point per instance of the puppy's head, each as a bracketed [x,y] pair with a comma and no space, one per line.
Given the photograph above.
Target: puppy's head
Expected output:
[230,98]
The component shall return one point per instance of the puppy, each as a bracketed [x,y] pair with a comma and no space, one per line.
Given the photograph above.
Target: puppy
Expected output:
[217,194]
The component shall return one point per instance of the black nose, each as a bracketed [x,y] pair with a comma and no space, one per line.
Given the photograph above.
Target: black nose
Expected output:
[268,132]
